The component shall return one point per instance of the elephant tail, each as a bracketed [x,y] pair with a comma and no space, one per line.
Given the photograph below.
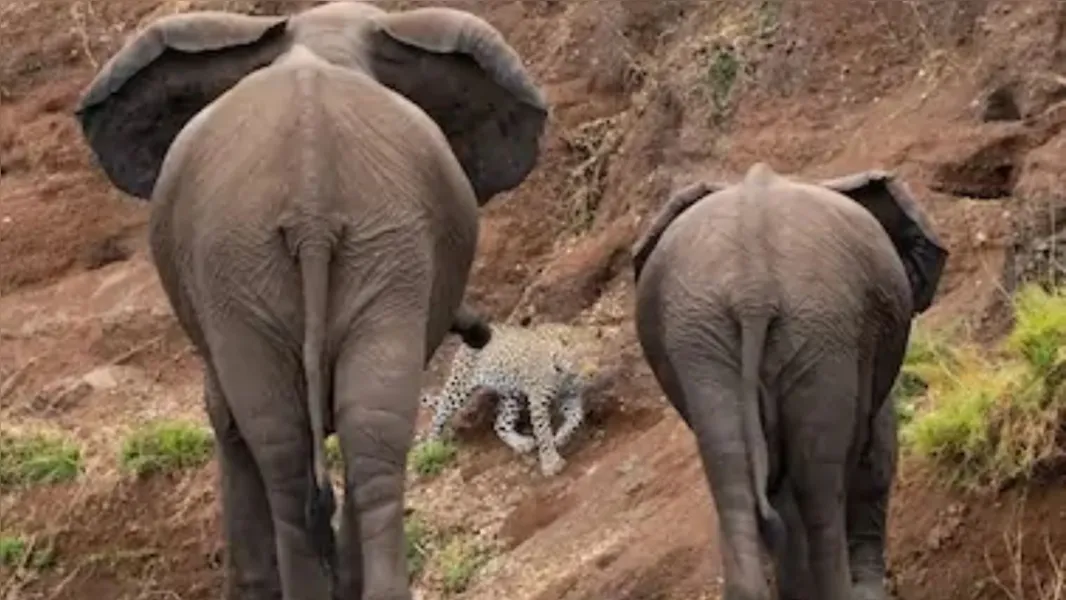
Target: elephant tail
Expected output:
[314,262]
[753,335]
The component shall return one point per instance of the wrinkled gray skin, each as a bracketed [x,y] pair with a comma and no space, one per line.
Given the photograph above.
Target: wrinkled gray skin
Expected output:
[775,315]
[315,182]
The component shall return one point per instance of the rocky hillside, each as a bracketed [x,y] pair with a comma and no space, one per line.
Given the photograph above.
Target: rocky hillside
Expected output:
[966,99]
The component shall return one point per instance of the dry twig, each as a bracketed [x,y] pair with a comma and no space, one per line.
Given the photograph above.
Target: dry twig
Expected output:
[81,25]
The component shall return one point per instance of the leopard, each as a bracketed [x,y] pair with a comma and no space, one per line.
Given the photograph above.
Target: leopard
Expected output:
[538,367]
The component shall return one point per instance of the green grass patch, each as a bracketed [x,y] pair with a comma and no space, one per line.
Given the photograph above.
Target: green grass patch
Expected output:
[928,358]
[443,560]
[992,416]
[37,458]
[430,457]
[1039,332]
[18,551]
[721,76]
[418,536]
[166,446]
[458,560]
[12,550]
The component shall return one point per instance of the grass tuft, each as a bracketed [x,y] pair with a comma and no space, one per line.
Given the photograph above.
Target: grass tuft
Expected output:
[993,417]
[12,550]
[419,539]
[37,458]
[166,446]
[446,561]
[430,457]
[1039,332]
[17,552]
[928,358]
[458,561]
[722,75]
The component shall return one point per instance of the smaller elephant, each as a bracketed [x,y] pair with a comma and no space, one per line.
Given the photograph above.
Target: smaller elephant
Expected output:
[775,314]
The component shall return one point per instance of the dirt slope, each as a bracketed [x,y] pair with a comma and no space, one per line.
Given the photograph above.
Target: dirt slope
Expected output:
[965,98]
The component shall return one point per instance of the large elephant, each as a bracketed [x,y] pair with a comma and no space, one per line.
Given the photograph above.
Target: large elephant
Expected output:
[775,314]
[315,182]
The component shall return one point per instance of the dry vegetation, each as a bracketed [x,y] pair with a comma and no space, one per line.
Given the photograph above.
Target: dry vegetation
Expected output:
[107,483]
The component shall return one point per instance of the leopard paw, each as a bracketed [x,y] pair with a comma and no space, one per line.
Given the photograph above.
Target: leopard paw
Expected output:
[550,467]
[524,445]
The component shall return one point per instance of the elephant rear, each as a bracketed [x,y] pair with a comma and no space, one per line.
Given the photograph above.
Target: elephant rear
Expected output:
[774,315]
[775,247]
[798,280]
[249,183]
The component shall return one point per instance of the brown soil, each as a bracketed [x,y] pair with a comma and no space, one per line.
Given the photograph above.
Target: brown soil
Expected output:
[964,98]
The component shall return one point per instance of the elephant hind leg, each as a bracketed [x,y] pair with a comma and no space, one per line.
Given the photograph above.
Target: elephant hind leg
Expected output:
[793,567]
[820,417]
[248,528]
[376,390]
[821,506]
[868,496]
[711,397]
[871,485]
[264,387]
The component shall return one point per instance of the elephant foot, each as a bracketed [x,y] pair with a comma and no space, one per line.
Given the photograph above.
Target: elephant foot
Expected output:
[868,573]
[793,592]
[869,589]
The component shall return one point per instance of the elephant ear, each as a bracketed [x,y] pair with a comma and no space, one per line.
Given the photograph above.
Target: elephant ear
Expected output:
[918,246]
[460,71]
[678,203]
[162,77]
